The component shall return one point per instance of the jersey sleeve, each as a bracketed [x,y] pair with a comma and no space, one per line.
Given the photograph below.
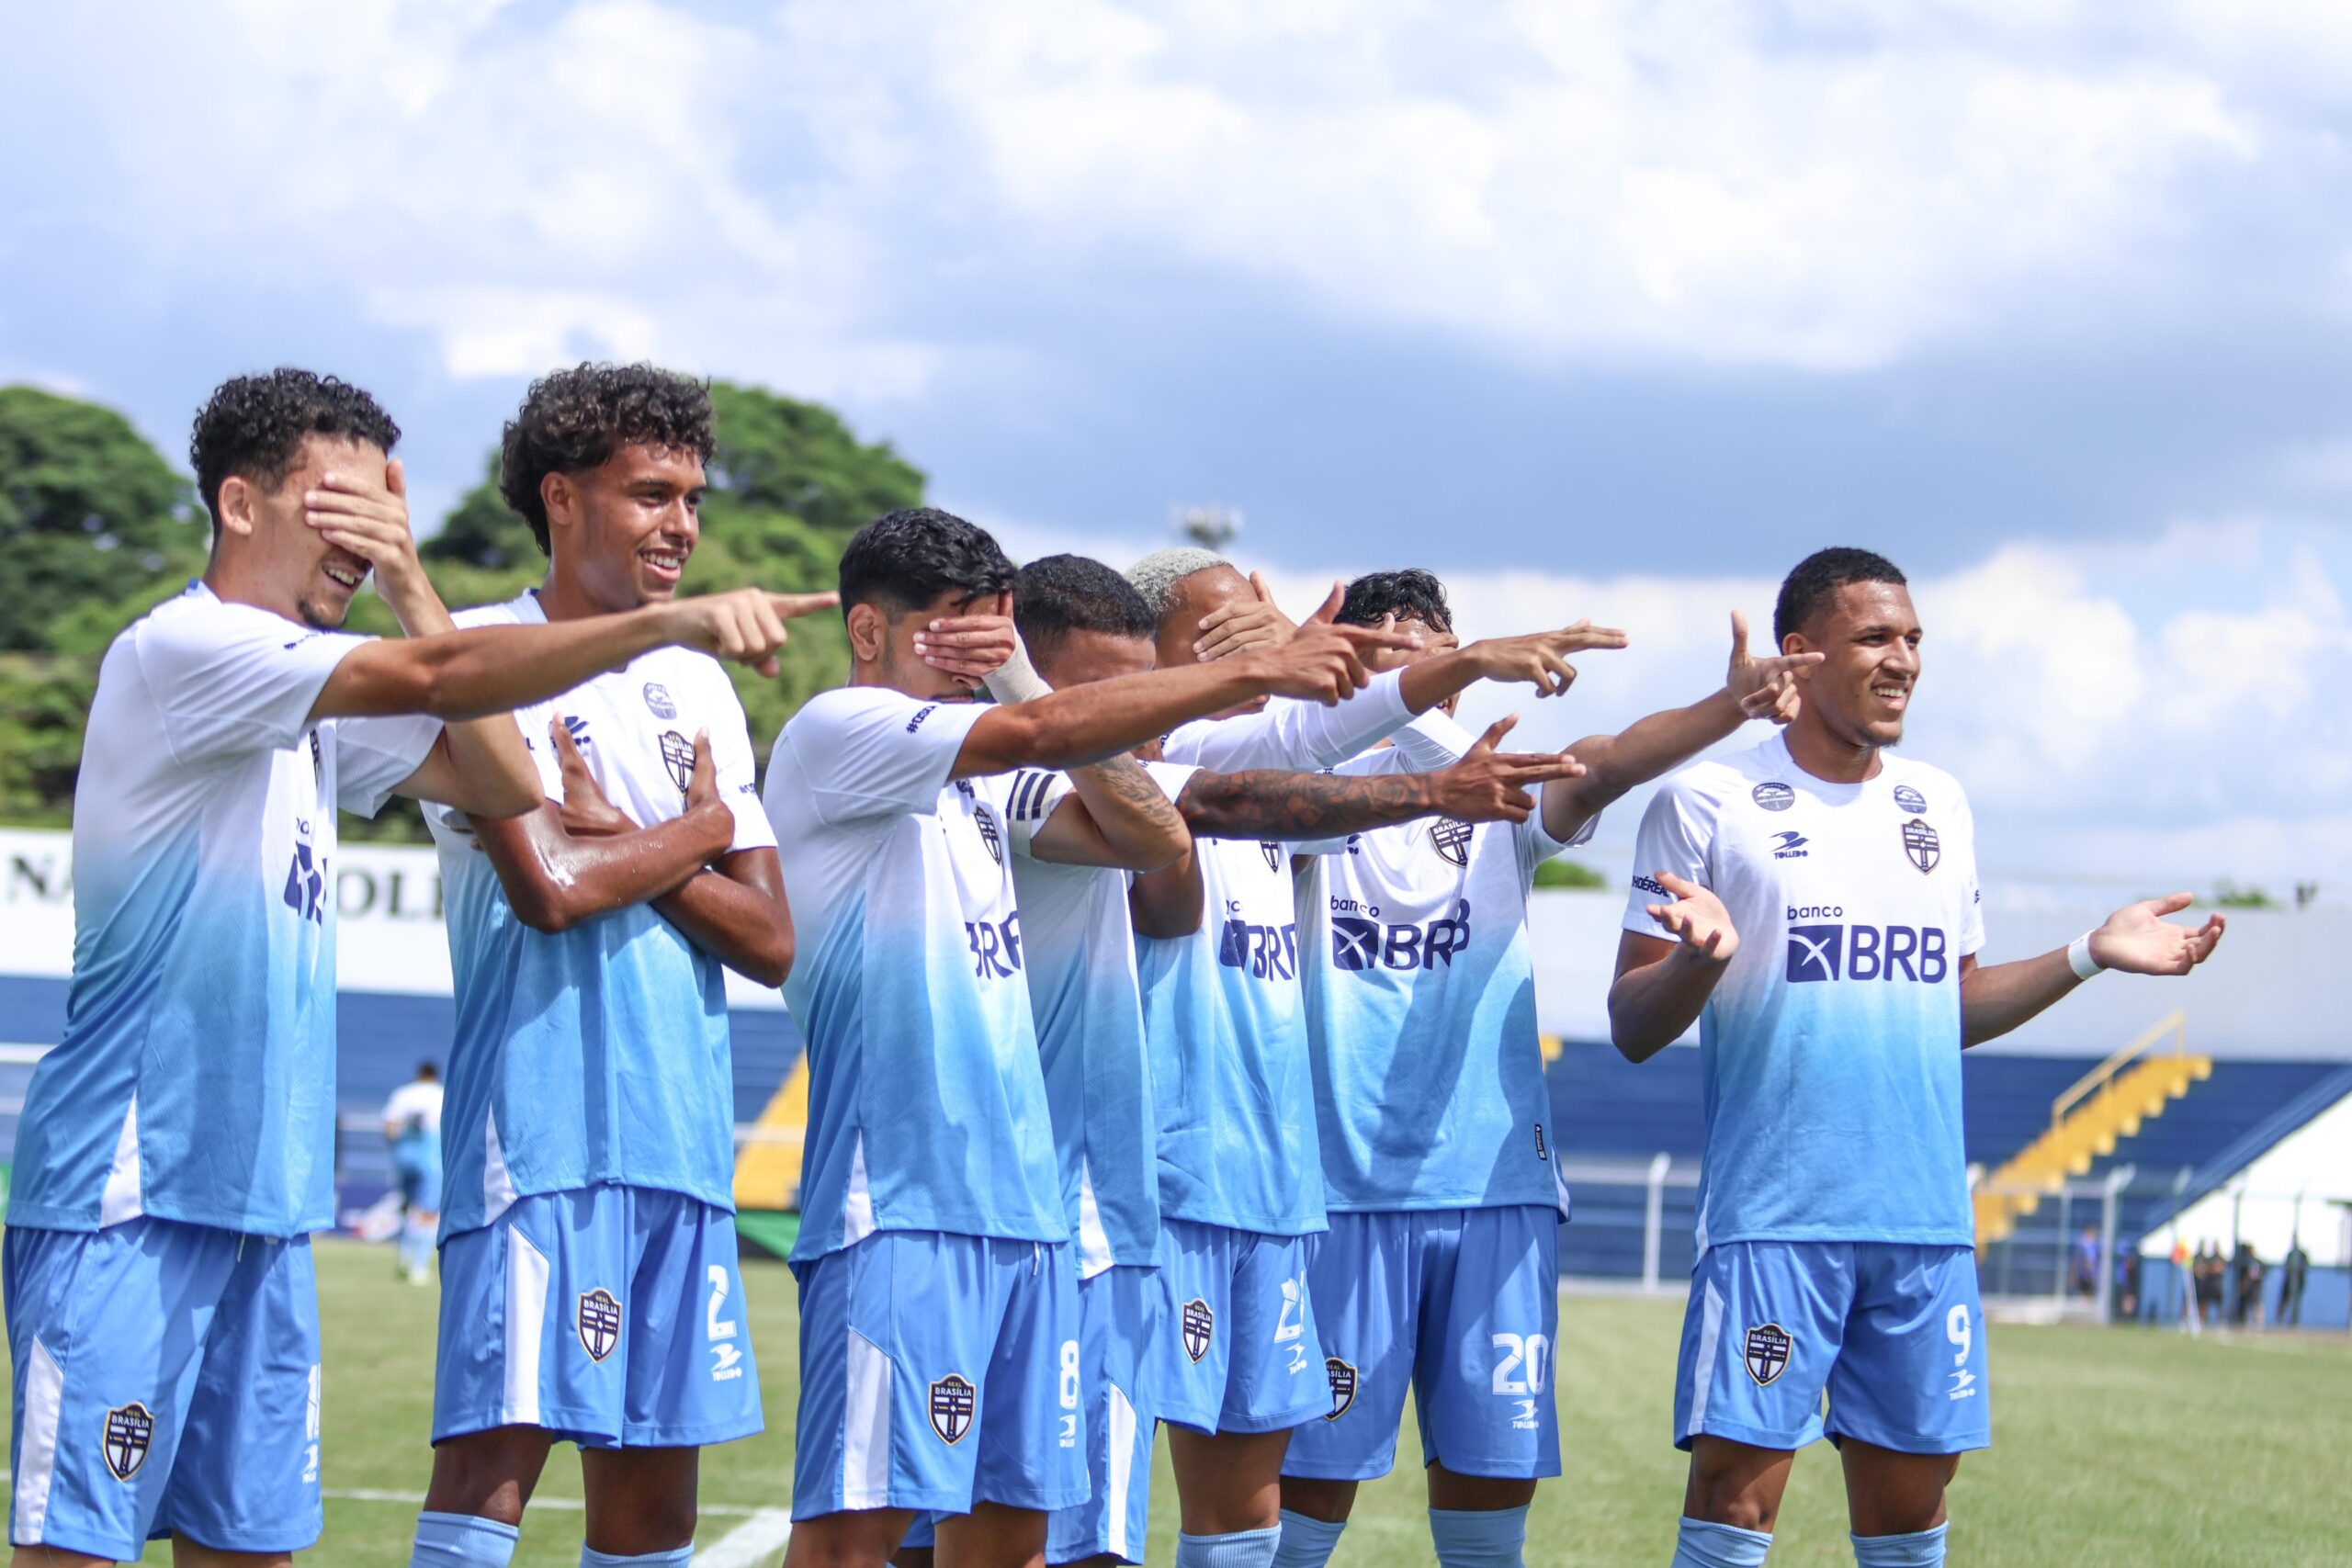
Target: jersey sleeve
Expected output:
[1971,919]
[1030,800]
[737,770]
[1291,733]
[228,678]
[1434,741]
[1676,834]
[1536,845]
[372,756]
[867,751]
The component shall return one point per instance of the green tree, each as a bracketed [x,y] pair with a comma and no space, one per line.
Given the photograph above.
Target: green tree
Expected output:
[1560,871]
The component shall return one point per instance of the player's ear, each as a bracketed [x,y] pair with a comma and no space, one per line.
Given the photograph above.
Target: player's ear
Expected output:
[1796,642]
[561,498]
[869,633]
[237,498]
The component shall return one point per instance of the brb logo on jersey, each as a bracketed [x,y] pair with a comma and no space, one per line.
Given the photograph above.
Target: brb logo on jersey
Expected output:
[1269,953]
[306,881]
[1358,943]
[996,946]
[1827,950]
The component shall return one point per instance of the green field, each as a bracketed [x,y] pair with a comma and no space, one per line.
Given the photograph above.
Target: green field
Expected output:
[2115,1446]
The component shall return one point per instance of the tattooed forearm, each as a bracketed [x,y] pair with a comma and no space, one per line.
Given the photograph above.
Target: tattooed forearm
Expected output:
[1121,783]
[1269,804]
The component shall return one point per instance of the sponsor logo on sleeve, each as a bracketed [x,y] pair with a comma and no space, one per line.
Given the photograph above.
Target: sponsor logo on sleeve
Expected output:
[1200,1328]
[1343,1386]
[920,714]
[1920,846]
[953,1400]
[1452,840]
[1773,796]
[1910,799]
[599,1323]
[658,701]
[129,1429]
[1766,1353]
[1651,886]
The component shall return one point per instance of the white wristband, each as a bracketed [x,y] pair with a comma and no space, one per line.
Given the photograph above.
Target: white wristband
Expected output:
[1017,680]
[2078,954]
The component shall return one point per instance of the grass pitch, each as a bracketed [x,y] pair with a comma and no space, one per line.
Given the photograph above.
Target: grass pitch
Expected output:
[2113,1446]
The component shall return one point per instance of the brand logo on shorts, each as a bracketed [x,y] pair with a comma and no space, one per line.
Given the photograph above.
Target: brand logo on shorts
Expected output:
[1452,840]
[1774,796]
[952,1403]
[1920,845]
[129,1431]
[679,753]
[982,819]
[1343,1386]
[1541,1153]
[599,1323]
[1200,1326]
[1910,799]
[1767,1353]
[656,700]
[1273,853]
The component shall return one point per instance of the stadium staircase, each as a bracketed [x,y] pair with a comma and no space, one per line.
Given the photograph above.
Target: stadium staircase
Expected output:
[2096,1113]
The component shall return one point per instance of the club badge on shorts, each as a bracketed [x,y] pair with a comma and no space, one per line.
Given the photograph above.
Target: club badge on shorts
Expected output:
[1343,1386]
[1200,1326]
[1920,844]
[953,1400]
[599,1321]
[129,1429]
[1766,1352]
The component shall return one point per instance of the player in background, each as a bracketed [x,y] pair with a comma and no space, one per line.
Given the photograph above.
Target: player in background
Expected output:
[590,1292]
[1081,622]
[930,1176]
[177,1147]
[1440,1269]
[1242,1190]
[412,1132]
[1813,905]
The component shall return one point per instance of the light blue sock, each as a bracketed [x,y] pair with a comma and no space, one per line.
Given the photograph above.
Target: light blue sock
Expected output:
[411,1235]
[1704,1545]
[1491,1538]
[461,1540]
[677,1558]
[1306,1543]
[1242,1549]
[1921,1549]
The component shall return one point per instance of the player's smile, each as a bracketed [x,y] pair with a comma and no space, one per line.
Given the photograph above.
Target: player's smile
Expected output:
[663,561]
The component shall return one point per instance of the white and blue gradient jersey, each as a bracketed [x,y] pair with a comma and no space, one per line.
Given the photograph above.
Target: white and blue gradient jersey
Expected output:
[1079,948]
[1421,1010]
[1830,1049]
[926,1102]
[196,1080]
[600,1053]
[413,1113]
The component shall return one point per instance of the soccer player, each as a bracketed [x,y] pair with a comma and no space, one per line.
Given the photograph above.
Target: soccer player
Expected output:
[176,1146]
[590,1292]
[1812,904]
[413,1129]
[1082,622]
[939,1304]
[1441,1268]
[1241,1186]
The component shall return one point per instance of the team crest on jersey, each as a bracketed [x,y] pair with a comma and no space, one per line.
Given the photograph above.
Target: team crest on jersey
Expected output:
[1766,1352]
[1343,1386]
[1200,1326]
[678,754]
[1774,796]
[599,1321]
[1273,853]
[1452,840]
[658,702]
[953,1401]
[129,1429]
[1919,843]
[986,821]
[1910,799]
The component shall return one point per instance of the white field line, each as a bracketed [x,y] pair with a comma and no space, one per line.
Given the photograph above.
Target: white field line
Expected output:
[749,1543]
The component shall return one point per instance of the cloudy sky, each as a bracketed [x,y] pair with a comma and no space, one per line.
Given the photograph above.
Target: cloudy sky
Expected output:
[1599,309]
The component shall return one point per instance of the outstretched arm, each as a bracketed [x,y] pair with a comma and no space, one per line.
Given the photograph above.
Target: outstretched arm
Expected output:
[1662,987]
[1754,688]
[2136,939]
[1485,785]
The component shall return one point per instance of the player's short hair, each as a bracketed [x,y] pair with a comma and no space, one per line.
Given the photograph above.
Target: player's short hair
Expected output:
[1159,574]
[1411,594]
[252,427]
[1057,595]
[574,420]
[904,560]
[426,1072]
[1814,579]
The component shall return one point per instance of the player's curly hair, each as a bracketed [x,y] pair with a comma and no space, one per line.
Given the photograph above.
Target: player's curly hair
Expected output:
[904,560]
[1055,595]
[574,420]
[1411,594]
[252,427]
[1813,580]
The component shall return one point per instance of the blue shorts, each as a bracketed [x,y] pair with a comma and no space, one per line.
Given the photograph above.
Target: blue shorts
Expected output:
[1891,1333]
[938,1372]
[1463,1305]
[612,1316]
[419,1181]
[1119,1313]
[1237,1349]
[166,1381]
